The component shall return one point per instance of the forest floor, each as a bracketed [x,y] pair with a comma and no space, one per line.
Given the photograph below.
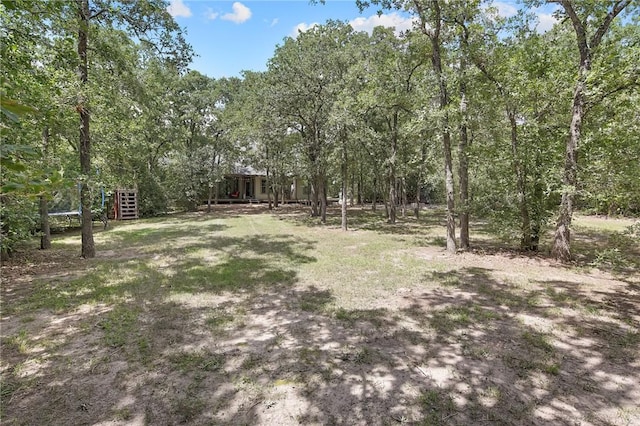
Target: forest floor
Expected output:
[245,317]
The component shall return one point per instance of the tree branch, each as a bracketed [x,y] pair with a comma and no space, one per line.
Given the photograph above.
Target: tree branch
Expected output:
[579,28]
[602,29]
[628,85]
[95,15]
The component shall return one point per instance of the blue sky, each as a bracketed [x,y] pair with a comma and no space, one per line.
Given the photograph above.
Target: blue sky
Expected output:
[231,36]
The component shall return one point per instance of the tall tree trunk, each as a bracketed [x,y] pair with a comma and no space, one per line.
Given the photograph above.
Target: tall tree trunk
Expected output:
[521,186]
[433,32]
[209,198]
[374,204]
[88,246]
[315,198]
[344,184]
[423,156]
[538,203]
[393,194]
[45,238]
[463,158]
[403,195]
[323,199]
[360,185]
[269,190]
[561,249]
[562,240]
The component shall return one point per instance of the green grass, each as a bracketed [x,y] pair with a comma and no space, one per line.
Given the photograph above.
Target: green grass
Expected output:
[193,316]
[197,361]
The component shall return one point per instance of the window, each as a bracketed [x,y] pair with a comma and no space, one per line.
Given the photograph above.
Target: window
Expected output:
[263,186]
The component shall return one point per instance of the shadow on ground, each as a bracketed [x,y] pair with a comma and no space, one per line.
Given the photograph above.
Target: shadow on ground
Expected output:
[228,334]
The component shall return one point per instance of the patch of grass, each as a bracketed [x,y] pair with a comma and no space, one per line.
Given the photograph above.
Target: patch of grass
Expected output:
[537,340]
[447,279]
[374,316]
[235,274]
[552,368]
[521,362]
[219,319]
[456,317]
[123,414]
[188,408]
[144,349]
[364,356]
[314,301]
[20,341]
[197,361]
[118,325]
[285,382]
[437,407]
[309,356]
[475,351]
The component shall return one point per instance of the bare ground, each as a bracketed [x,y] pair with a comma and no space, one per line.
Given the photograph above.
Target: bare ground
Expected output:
[479,338]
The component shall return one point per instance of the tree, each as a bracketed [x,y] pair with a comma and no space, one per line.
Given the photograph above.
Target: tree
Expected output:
[141,18]
[591,21]
[305,74]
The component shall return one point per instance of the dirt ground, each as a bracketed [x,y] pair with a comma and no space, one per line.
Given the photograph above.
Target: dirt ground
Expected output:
[477,338]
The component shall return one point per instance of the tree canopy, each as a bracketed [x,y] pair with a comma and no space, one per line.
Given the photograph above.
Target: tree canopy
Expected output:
[481,113]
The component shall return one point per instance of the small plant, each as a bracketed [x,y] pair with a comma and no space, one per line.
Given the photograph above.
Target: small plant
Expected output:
[552,368]
[20,341]
[436,406]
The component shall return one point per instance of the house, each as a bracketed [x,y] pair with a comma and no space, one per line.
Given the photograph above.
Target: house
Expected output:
[248,184]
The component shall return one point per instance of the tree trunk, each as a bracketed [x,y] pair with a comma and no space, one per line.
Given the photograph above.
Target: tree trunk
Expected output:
[374,204]
[88,246]
[45,238]
[561,249]
[403,191]
[314,197]
[323,199]
[423,156]
[562,240]
[538,203]
[463,168]
[393,195]
[344,186]
[436,60]
[521,183]
[269,190]
[360,184]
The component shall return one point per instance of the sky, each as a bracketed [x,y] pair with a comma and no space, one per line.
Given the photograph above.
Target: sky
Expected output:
[231,36]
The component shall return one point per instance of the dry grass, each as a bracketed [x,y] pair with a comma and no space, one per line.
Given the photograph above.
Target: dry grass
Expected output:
[246,317]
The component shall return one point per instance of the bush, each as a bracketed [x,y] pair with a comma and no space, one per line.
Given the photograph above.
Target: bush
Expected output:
[18,220]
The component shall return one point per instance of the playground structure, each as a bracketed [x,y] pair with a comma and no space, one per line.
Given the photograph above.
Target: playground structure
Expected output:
[122,204]
[125,204]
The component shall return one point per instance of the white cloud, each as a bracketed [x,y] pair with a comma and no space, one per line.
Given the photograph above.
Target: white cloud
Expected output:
[401,23]
[302,27]
[545,22]
[241,13]
[274,22]
[210,14]
[505,10]
[178,8]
